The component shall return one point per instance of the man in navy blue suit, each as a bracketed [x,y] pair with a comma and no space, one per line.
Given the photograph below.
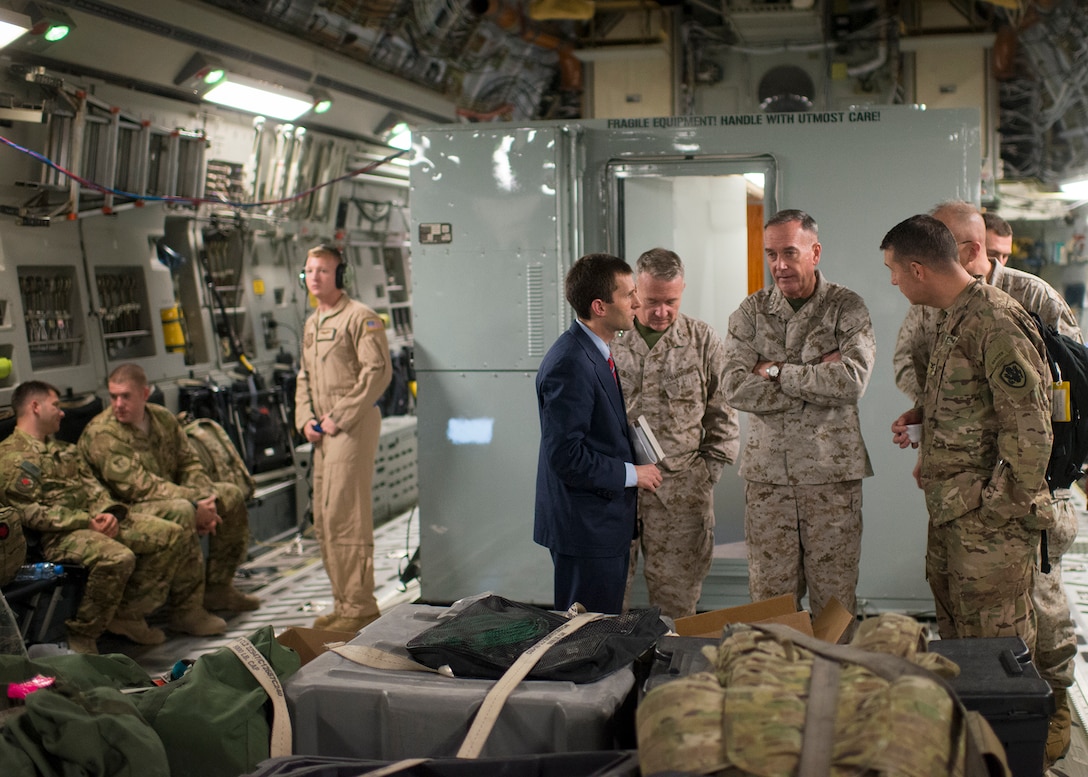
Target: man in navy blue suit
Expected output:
[586,479]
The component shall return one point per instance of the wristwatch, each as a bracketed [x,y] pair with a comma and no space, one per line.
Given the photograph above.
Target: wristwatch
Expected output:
[773,371]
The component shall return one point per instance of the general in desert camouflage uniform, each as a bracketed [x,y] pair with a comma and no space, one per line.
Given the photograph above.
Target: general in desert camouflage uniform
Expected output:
[985,441]
[799,358]
[158,469]
[1056,642]
[670,368]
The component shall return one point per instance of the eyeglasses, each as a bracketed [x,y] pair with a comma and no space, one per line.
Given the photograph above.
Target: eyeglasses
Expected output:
[964,242]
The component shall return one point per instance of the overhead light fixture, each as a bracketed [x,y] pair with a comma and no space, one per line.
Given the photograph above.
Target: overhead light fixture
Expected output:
[400,136]
[12,26]
[49,24]
[260,97]
[1077,187]
[394,131]
[201,72]
[322,100]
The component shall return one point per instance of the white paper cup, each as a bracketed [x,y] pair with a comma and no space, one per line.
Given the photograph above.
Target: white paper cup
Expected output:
[914,432]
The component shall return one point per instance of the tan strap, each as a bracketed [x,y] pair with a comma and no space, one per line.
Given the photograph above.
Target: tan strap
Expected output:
[488,713]
[258,666]
[380,659]
[818,738]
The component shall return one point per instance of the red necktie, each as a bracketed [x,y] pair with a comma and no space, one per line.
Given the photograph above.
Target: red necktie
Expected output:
[612,366]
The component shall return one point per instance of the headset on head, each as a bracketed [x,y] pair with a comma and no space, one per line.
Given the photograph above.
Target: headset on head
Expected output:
[343,269]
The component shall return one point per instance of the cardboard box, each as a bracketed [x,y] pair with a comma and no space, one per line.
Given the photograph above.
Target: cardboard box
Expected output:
[829,626]
[310,643]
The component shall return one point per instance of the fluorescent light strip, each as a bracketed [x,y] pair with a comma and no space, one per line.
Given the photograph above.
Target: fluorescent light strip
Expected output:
[12,26]
[1077,187]
[253,97]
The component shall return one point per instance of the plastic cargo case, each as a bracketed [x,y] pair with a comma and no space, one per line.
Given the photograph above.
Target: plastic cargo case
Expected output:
[595,764]
[998,680]
[676,657]
[340,708]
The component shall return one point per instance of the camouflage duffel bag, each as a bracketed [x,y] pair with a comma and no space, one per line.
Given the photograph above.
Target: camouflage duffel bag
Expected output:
[781,703]
[217,453]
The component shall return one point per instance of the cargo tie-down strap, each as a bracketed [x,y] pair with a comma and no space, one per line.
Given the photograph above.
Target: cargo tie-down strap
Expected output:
[492,705]
[262,671]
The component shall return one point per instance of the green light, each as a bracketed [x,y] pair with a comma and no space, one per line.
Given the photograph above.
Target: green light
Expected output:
[322,106]
[214,76]
[400,136]
[57,32]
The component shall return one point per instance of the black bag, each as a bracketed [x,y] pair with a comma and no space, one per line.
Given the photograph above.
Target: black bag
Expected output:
[485,639]
[1068,362]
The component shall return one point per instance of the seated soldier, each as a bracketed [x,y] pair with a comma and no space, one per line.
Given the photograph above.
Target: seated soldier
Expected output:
[139,450]
[135,562]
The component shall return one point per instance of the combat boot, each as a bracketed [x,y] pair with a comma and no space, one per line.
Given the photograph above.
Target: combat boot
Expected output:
[1059,733]
[81,643]
[198,622]
[346,623]
[323,621]
[137,630]
[224,596]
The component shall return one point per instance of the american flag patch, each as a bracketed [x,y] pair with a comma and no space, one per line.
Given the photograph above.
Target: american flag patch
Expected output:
[374,323]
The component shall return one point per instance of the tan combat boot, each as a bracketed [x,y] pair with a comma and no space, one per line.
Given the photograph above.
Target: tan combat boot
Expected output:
[81,643]
[1061,722]
[323,621]
[137,630]
[224,596]
[198,622]
[346,623]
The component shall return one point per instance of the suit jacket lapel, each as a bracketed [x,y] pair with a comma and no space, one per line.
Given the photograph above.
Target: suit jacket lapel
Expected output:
[604,373]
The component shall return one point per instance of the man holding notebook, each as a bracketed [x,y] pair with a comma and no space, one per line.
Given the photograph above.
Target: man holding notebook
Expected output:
[670,367]
[586,476]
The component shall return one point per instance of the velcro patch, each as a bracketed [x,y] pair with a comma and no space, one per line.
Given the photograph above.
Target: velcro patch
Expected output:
[1014,376]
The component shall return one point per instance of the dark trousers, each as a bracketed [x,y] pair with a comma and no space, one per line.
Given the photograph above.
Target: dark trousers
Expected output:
[596,583]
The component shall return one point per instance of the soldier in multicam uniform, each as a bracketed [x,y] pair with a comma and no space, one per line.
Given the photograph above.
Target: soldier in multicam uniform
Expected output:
[139,450]
[670,368]
[799,356]
[135,562]
[1056,642]
[345,369]
[986,438]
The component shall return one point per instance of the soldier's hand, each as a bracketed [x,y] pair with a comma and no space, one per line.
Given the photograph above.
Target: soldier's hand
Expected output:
[207,517]
[310,433]
[330,426]
[649,476]
[106,524]
[899,427]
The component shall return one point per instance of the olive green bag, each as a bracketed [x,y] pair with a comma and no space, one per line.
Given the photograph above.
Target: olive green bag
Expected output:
[214,720]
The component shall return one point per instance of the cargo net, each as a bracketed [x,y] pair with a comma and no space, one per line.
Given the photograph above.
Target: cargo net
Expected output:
[489,635]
